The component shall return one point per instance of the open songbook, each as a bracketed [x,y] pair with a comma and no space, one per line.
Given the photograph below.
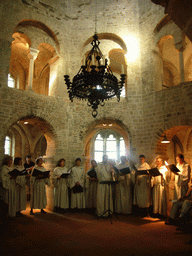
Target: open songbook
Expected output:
[153,172]
[15,173]
[140,172]
[37,173]
[77,189]
[122,171]
[173,168]
[65,175]
[92,173]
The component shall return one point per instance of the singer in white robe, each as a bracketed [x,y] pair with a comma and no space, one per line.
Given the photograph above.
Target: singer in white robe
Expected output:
[61,197]
[160,190]
[183,177]
[9,186]
[142,191]
[38,194]
[21,186]
[91,188]
[123,195]
[104,191]
[77,177]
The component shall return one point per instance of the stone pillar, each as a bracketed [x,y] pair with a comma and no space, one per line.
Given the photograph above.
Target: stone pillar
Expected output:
[181,47]
[32,56]
[182,70]
[5,55]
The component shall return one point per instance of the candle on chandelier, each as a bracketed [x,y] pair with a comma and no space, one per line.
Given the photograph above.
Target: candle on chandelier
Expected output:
[93,60]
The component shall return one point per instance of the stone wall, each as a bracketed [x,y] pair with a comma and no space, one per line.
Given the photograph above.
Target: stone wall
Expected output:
[145,113]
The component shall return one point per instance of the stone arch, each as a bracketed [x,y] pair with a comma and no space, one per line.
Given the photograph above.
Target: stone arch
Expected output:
[162,41]
[170,73]
[167,63]
[164,21]
[19,64]
[109,36]
[46,57]
[43,125]
[171,130]
[118,56]
[19,61]
[118,63]
[167,27]
[175,139]
[48,131]
[95,127]
[24,24]
[22,135]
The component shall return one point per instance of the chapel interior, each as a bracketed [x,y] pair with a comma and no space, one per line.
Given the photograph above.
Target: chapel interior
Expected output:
[43,40]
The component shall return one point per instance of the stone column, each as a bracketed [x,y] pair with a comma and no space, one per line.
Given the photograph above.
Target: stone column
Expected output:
[181,47]
[5,55]
[182,70]
[32,56]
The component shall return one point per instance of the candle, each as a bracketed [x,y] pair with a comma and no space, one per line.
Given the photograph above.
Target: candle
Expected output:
[122,69]
[93,60]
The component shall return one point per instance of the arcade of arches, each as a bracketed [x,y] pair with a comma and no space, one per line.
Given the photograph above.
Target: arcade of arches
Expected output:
[41,42]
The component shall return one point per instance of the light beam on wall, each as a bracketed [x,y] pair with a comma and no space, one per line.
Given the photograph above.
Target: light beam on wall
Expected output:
[52,80]
[132,44]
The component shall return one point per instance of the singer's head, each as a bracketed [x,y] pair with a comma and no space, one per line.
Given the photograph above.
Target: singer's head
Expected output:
[123,159]
[105,158]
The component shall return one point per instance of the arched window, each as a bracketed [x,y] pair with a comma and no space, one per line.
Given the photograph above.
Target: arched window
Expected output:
[7,145]
[11,82]
[108,143]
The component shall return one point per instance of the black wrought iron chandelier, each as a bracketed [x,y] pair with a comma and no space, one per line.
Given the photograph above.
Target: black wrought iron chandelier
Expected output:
[95,81]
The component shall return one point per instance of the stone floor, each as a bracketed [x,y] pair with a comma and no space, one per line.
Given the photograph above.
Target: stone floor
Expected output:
[84,234]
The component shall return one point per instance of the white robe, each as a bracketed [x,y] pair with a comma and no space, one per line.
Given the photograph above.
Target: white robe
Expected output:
[38,193]
[142,191]
[61,198]
[77,175]
[123,195]
[21,186]
[181,180]
[104,191]
[91,192]
[160,191]
[11,190]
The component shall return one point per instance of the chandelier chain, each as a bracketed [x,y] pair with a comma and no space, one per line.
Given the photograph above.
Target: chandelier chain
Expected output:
[95,16]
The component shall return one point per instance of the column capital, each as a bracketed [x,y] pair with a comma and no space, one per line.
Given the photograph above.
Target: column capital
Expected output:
[180,46]
[32,53]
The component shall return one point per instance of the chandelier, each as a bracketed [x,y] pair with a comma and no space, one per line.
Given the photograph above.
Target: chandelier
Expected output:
[95,81]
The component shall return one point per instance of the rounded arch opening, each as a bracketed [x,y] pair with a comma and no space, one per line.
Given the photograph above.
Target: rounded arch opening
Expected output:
[32,130]
[109,36]
[36,137]
[39,25]
[180,138]
[112,126]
